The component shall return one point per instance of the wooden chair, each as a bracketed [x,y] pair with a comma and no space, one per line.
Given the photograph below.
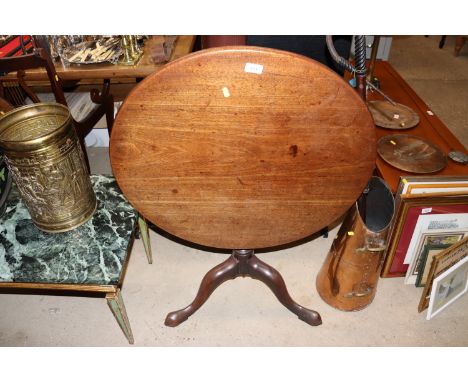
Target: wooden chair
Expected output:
[103,101]
[5,106]
[442,41]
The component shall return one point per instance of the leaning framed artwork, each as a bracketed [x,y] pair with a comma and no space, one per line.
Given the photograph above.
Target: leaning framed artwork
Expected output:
[436,237]
[425,262]
[410,185]
[410,208]
[437,224]
[448,287]
[440,263]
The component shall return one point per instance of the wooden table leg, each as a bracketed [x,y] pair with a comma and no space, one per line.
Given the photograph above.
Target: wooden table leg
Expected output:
[227,270]
[243,263]
[115,302]
[271,277]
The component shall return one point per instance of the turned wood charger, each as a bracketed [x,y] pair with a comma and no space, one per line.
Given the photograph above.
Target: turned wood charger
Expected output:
[243,147]
[411,153]
[394,117]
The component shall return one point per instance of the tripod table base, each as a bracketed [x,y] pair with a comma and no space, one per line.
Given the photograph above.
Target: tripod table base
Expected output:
[243,263]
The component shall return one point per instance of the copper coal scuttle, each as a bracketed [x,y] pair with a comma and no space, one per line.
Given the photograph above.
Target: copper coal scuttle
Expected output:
[348,278]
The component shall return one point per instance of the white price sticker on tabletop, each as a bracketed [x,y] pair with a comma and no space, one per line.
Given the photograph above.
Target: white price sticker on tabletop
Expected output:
[226,92]
[253,68]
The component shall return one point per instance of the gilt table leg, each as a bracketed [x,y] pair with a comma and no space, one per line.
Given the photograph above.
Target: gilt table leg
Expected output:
[271,277]
[115,302]
[145,237]
[227,270]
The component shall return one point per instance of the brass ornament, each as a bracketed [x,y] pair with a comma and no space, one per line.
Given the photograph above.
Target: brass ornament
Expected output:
[131,53]
[44,156]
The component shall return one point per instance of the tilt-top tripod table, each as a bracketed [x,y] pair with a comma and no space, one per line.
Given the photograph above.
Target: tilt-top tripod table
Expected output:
[243,148]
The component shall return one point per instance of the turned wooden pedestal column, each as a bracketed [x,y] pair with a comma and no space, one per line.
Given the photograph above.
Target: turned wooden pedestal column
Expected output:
[243,148]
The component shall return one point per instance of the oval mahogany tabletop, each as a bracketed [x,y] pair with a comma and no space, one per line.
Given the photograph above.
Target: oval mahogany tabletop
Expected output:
[243,147]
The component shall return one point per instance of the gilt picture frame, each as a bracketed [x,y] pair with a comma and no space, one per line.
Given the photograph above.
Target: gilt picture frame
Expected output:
[411,185]
[448,287]
[440,263]
[428,253]
[432,238]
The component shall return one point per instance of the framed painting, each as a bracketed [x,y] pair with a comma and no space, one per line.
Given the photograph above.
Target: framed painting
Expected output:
[406,217]
[411,185]
[425,262]
[434,223]
[448,287]
[440,263]
[434,237]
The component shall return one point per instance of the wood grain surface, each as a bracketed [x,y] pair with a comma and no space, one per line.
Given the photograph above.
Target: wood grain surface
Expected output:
[227,158]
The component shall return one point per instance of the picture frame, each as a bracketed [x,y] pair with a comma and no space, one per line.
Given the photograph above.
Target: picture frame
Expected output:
[427,255]
[440,263]
[435,223]
[410,185]
[448,287]
[442,237]
[405,220]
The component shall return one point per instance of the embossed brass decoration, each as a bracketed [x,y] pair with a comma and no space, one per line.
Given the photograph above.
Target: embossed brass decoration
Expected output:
[44,156]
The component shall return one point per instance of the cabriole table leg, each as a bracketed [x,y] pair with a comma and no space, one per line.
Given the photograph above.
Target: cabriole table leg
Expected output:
[243,263]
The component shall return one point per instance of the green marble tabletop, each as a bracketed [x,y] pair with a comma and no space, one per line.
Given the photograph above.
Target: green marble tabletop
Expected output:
[91,254]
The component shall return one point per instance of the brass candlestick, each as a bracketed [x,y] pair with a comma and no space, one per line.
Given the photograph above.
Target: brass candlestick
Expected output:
[131,54]
[134,49]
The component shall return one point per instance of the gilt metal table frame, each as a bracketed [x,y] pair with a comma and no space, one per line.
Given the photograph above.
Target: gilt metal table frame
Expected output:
[112,293]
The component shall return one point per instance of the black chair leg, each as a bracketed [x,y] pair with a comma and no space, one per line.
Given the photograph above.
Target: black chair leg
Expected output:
[442,42]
